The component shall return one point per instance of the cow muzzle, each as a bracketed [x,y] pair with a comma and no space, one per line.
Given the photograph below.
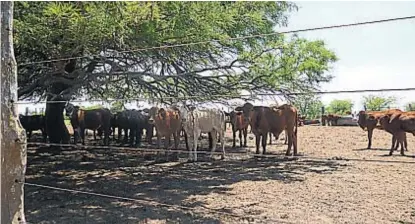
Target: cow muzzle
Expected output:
[151,121]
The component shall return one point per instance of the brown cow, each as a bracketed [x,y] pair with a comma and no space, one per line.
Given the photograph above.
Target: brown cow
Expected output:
[392,126]
[167,122]
[368,121]
[88,119]
[238,123]
[275,120]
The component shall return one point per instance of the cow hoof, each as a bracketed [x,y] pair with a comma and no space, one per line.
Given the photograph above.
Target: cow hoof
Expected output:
[390,154]
[402,154]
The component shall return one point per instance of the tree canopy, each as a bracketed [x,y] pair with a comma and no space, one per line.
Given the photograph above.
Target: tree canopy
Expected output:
[376,103]
[340,107]
[103,40]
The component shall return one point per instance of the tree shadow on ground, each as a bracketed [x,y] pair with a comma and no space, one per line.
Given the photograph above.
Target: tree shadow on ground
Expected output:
[124,173]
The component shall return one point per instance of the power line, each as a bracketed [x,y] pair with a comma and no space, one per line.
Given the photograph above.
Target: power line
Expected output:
[232,39]
[143,201]
[234,96]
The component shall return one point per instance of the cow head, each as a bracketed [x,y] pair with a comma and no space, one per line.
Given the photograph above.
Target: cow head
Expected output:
[70,109]
[153,112]
[246,110]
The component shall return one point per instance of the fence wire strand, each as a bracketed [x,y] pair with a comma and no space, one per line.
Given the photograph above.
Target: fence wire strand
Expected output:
[232,39]
[241,96]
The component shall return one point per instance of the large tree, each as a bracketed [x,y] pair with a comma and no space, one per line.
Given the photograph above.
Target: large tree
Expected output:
[112,34]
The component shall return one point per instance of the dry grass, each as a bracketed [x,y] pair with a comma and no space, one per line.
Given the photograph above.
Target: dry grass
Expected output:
[366,186]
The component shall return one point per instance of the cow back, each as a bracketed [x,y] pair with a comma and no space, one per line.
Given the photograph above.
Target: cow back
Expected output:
[207,120]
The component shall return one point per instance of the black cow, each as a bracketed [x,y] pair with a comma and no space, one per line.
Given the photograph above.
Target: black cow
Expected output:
[88,119]
[33,123]
[132,121]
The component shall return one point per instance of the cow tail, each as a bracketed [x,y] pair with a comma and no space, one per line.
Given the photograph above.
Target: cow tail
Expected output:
[296,124]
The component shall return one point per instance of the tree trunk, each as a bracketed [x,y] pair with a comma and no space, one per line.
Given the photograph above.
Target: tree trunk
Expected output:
[55,123]
[13,136]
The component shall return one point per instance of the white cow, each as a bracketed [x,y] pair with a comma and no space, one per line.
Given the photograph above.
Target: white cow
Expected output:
[197,121]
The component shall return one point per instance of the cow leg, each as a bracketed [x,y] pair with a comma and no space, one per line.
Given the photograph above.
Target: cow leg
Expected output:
[394,141]
[82,132]
[44,134]
[245,135]
[167,140]
[401,139]
[138,135]
[369,136]
[270,138]
[240,138]
[286,137]
[125,136]
[176,136]
[196,135]
[257,141]
[186,140]
[119,133]
[214,134]
[234,137]
[95,136]
[264,143]
[396,146]
[222,143]
[405,143]
[294,142]
[158,140]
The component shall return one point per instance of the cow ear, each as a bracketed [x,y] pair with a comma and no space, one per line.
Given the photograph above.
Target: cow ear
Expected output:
[162,112]
[192,108]
[146,110]
[238,109]
[238,112]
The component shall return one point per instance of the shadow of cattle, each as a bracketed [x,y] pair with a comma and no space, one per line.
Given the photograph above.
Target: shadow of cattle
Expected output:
[126,174]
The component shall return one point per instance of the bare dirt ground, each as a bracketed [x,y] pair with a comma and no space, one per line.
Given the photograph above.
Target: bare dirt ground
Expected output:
[350,185]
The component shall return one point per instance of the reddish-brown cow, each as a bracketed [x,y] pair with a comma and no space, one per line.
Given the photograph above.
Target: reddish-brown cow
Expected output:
[275,120]
[167,122]
[398,124]
[238,123]
[368,121]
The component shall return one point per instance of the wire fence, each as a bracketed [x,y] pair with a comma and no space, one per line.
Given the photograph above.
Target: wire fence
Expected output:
[236,96]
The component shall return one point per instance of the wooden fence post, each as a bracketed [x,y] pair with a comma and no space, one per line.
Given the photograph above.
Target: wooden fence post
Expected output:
[12,137]
[323,121]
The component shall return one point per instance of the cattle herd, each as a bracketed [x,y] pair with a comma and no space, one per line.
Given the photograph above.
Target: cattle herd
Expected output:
[189,122]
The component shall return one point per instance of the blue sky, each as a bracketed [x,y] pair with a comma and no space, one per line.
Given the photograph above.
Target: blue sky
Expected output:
[370,56]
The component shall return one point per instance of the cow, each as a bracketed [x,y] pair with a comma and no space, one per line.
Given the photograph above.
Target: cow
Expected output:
[392,126]
[167,122]
[33,123]
[132,122]
[197,121]
[88,119]
[368,121]
[239,123]
[275,120]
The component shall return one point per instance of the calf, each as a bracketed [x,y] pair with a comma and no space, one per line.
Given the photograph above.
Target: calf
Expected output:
[197,121]
[33,123]
[398,124]
[275,120]
[369,120]
[238,123]
[167,122]
[88,119]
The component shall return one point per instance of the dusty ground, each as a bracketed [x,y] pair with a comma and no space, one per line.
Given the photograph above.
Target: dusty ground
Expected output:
[364,186]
